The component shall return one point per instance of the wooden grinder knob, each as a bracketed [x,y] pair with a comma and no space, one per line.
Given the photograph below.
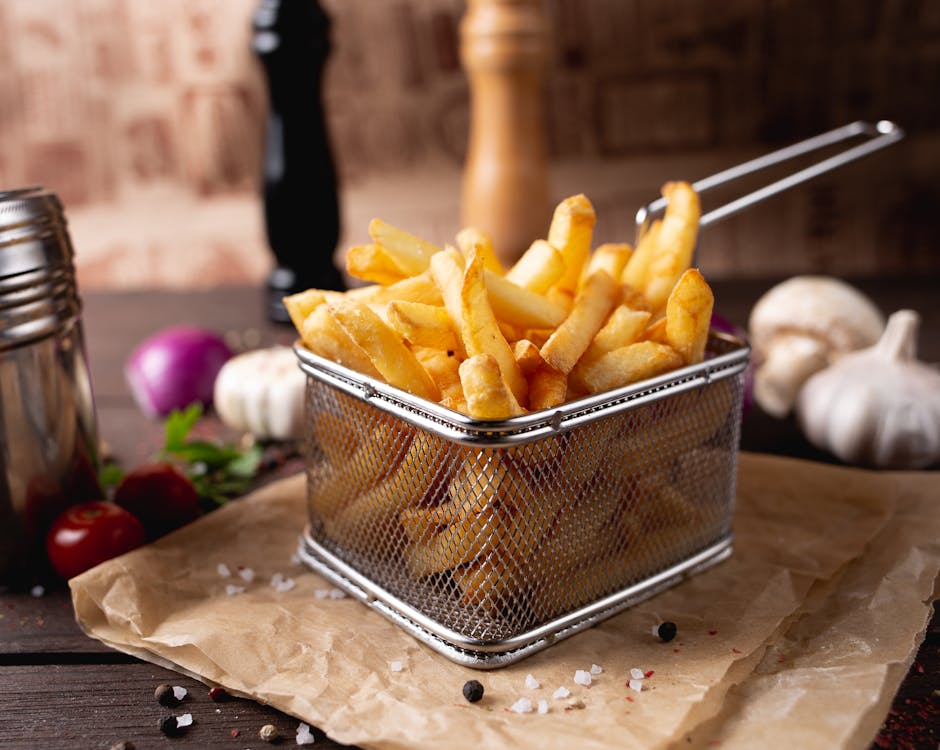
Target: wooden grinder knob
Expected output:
[504,46]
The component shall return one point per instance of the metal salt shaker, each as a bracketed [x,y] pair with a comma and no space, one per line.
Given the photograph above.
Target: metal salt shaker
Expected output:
[48,435]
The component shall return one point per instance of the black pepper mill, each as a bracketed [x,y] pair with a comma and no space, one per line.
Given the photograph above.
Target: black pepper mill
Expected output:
[301,206]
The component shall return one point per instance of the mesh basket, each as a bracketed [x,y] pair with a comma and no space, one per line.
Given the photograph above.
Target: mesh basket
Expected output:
[491,540]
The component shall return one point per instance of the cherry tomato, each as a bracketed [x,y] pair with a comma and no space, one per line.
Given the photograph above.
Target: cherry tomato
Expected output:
[90,533]
[160,496]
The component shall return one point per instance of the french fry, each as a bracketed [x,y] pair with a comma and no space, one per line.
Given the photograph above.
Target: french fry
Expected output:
[656,332]
[675,244]
[470,236]
[570,233]
[416,470]
[489,582]
[521,307]
[420,288]
[591,307]
[636,269]
[322,335]
[688,316]
[374,263]
[479,331]
[443,367]
[610,257]
[527,356]
[447,272]
[486,392]
[629,364]
[300,305]
[411,253]
[538,268]
[422,325]
[548,388]
[354,474]
[623,326]
[388,353]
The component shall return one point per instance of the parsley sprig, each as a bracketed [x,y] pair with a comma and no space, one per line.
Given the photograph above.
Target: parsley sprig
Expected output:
[217,471]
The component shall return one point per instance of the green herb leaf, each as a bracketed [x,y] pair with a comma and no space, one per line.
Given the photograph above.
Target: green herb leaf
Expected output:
[178,426]
[217,471]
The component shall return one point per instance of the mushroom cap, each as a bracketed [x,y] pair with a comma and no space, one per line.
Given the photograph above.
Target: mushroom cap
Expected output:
[822,307]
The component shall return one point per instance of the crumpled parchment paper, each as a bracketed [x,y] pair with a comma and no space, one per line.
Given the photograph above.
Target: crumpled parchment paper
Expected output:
[818,613]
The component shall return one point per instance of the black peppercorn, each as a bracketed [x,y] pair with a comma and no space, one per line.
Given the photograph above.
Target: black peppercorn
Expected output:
[472,691]
[666,631]
[165,696]
[169,726]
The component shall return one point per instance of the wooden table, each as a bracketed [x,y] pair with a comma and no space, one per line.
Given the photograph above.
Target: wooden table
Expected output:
[60,689]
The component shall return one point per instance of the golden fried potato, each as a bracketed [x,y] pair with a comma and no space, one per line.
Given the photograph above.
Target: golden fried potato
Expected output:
[322,335]
[412,254]
[688,316]
[486,392]
[611,257]
[374,263]
[420,288]
[538,269]
[630,364]
[479,331]
[675,244]
[636,269]
[423,325]
[388,353]
[570,233]
[591,307]
[470,236]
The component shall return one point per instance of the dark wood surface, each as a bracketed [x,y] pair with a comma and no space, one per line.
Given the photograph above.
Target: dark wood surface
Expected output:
[59,688]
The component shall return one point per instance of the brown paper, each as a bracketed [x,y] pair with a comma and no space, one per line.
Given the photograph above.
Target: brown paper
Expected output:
[828,587]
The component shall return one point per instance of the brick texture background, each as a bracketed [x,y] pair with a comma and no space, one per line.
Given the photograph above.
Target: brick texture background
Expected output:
[147,119]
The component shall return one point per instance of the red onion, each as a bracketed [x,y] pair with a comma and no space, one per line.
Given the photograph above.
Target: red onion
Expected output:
[174,368]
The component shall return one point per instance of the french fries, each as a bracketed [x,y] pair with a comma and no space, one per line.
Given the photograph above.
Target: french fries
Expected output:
[449,324]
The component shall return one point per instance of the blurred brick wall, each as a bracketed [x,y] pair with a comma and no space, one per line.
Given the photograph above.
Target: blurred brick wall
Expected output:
[135,112]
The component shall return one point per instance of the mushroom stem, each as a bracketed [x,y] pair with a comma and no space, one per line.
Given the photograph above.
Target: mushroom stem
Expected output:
[790,360]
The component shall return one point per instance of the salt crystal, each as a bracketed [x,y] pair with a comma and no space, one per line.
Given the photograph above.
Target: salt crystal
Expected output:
[582,677]
[223,570]
[286,585]
[232,589]
[532,683]
[562,692]
[522,706]
[637,674]
[543,707]
[322,593]
[179,692]
[636,685]
[395,666]
[655,631]
[184,721]
[337,594]
[295,559]
[304,735]
[37,591]
[596,669]
[247,574]
[276,580]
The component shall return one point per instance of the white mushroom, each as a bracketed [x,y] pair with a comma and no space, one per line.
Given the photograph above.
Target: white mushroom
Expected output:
[801,326]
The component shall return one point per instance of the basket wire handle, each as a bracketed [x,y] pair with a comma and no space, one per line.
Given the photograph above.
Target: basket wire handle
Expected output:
[880,134]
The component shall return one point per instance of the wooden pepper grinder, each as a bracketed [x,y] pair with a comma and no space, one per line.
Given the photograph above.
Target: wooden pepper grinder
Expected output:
[504,47]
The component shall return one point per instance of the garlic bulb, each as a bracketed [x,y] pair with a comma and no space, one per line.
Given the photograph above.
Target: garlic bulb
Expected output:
[877,406]
[262,392]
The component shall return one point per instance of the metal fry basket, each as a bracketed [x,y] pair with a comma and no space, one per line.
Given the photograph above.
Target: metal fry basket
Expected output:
[489,541]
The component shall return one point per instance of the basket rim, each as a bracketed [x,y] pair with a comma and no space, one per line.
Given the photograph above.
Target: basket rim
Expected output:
[461,428]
